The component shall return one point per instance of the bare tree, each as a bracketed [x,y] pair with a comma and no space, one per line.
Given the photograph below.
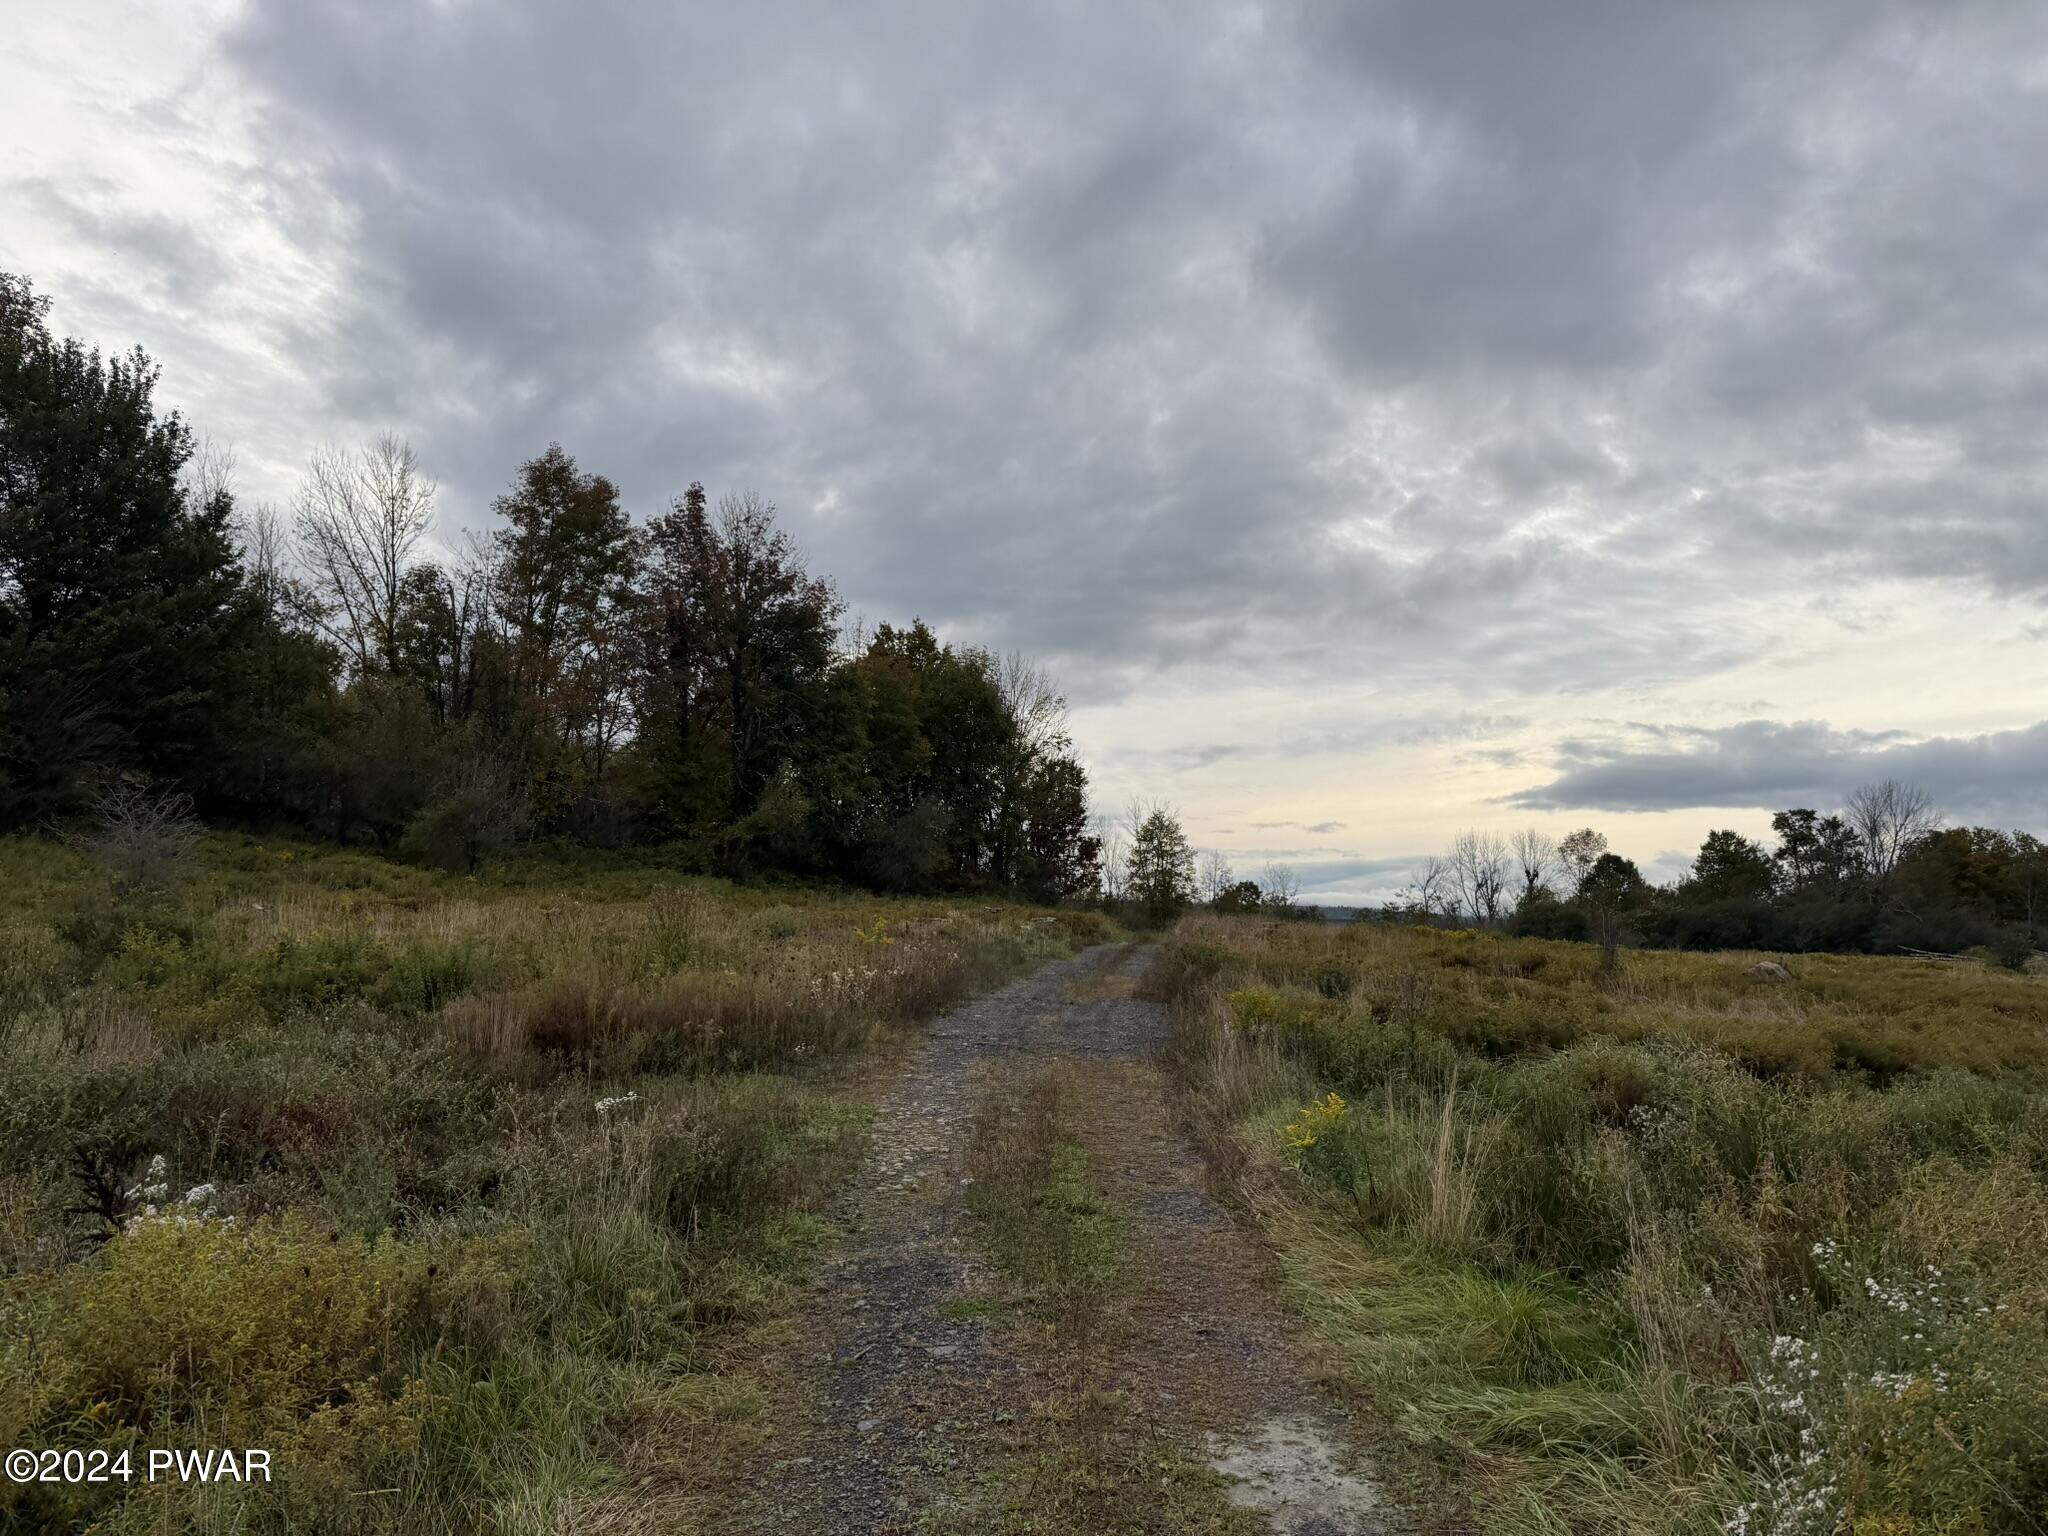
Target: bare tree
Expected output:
[1535,852]
[1429,892]
[265,544]
[362,514]
[1888,817]
[1479,873]
[210,473]
[1037,707]
[1278,887]
[142,833]
[1116,857]
[1215,876]
[1577,853]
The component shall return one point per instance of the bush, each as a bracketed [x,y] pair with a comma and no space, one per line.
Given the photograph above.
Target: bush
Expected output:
[144,835]
[203,1333]
[425,977]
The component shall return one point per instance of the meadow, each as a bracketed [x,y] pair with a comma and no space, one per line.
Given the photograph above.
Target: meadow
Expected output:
[473,1199]
[1678,1249]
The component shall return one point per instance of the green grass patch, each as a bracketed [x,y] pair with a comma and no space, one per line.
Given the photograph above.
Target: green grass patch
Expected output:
[1674,1251]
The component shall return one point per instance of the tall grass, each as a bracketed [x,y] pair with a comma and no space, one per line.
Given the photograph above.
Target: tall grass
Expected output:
[467,1198]
[1678,1251]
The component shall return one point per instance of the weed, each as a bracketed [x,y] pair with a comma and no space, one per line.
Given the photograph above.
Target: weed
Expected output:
[1671,1253]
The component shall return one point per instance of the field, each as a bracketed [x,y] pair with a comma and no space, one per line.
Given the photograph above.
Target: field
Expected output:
[471,1199]
[1679,1250]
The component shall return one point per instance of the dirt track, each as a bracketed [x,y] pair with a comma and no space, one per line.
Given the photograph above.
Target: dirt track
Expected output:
[908,1389]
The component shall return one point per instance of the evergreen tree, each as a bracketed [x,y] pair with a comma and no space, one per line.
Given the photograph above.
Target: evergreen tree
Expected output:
[1162,867]
[122,605]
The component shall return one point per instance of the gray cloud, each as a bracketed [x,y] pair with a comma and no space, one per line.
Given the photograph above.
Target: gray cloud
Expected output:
[1446,366]
[168,258]
[1059,345]
[2001,776]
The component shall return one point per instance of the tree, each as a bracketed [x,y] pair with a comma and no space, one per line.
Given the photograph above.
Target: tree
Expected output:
[1577,853]
[1430,890]
[563,576]
[1817,852]
[1116,859]
[1062,859]
[1478,866]
[443,637]
[1240,896]
[1611,890]
[1731,867]
[1162,863]
[1278,888]
[1724,901]
[284,681]
[938,729]
[362,514]
[144,836]
[1535,854]
[739,641]
[2030,878]
[1037,737]
[1888,817]
[1036,706]
[681,704]
[477,811]
[1214,876]
[122,605]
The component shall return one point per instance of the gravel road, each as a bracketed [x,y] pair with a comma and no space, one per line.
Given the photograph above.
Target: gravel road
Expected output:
[906,1387]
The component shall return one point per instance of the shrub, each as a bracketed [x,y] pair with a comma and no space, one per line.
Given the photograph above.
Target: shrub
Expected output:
[425,977]
[201,1332]
[144,835]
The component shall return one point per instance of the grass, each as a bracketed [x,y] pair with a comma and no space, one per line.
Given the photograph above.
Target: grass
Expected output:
[1680,1251]
[1087,1457]
[474,1200]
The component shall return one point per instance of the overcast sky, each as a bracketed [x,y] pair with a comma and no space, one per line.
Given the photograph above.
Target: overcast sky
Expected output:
[1384,417]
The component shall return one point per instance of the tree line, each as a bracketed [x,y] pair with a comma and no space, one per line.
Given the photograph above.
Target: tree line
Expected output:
[571,674]
[1882,874]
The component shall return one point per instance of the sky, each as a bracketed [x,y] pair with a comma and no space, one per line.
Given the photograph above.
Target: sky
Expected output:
[1385,417]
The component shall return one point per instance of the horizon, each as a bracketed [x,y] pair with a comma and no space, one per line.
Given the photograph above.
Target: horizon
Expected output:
[1379,422]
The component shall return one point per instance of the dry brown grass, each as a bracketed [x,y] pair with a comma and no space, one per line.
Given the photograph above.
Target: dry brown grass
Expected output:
[586,1113]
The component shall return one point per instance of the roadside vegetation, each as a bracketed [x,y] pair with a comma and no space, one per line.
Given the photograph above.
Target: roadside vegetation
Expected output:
[1647,1243]
[461,1195]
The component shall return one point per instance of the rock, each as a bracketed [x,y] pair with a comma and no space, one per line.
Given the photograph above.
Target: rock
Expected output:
[867,1425]
[1769,970]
